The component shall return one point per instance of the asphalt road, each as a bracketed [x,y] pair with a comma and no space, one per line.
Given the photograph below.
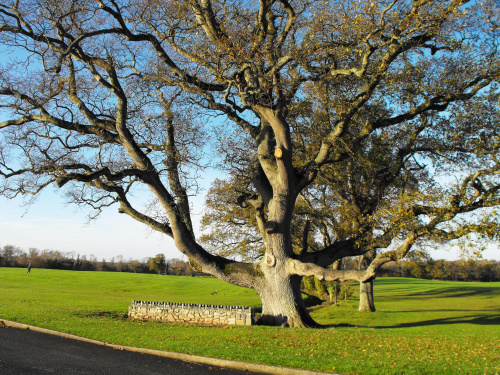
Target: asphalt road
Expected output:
[27,352]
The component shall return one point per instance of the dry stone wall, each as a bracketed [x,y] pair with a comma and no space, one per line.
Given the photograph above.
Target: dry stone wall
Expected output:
[191,313]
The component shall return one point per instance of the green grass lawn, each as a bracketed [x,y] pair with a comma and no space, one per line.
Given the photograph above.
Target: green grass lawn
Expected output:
[421,326]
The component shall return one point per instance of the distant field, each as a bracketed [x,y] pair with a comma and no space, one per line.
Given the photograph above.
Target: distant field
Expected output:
[421,327]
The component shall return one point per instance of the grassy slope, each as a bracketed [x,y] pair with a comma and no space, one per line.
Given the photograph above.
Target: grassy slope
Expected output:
[421,327]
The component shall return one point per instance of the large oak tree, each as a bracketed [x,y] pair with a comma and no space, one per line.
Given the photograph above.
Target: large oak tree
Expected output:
[104,98]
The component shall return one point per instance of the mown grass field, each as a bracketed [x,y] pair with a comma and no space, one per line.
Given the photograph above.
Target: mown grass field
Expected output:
[421,326]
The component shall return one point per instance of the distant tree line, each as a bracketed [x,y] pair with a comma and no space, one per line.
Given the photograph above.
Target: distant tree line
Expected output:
[421,266]
[458,270]
[13,256]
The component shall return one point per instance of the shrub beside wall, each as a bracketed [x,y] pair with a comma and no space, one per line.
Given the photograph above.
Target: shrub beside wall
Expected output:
[191,313]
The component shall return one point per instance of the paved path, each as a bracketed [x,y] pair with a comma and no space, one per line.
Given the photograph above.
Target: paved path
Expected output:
[27,352]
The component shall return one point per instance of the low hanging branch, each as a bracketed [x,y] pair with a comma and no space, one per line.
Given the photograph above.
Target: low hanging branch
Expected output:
[297,267]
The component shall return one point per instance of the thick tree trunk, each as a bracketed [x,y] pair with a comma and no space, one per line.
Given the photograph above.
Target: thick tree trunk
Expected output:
[282,303]
[280,292]
[366,301]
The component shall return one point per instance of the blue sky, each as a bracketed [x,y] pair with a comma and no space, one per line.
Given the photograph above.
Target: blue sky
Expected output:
[51,224]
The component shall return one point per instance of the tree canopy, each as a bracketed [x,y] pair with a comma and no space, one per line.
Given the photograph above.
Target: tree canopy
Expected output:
[369,125]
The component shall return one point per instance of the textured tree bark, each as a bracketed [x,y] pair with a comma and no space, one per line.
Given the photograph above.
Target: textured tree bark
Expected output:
[282,303]
[366,301]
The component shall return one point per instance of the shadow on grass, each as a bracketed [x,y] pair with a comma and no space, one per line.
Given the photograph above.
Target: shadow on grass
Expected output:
[104,314]
[470,319]
[457,292]
[312,300]
[443,291]
[397,281]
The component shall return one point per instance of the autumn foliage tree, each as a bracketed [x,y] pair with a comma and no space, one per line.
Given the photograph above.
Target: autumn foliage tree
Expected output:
[106,98]
[157,264]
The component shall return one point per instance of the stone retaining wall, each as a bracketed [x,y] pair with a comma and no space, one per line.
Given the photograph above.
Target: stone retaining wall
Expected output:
[191,313]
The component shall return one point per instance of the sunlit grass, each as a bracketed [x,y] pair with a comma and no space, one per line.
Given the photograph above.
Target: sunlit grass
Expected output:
[421,326]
